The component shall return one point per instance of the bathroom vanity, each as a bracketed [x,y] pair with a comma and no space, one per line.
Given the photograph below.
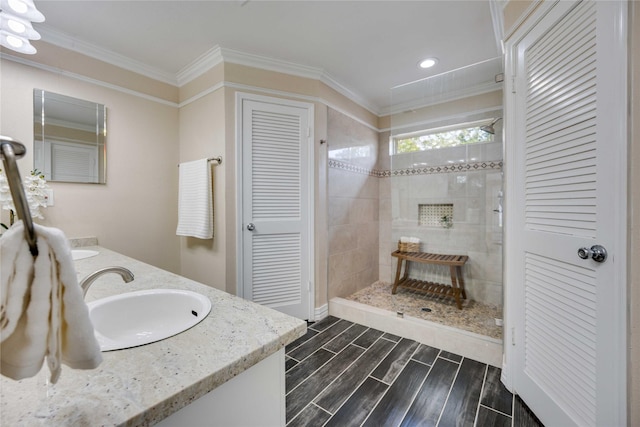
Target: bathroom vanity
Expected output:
[227,370]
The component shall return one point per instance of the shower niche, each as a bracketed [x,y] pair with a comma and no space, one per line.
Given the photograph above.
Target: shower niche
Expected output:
[435,215]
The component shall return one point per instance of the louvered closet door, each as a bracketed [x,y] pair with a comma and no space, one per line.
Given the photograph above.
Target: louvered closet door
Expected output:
[569,120]
[276,206]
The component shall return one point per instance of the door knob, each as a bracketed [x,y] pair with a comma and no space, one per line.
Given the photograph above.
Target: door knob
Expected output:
[596,252]
[251,227]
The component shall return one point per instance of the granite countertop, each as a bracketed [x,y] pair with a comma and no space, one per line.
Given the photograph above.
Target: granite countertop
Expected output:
[143,385]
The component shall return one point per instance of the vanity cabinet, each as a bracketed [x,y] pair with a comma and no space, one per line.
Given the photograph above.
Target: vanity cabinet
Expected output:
[256,397]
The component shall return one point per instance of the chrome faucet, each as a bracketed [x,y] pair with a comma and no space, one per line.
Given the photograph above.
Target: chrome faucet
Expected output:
[85,283]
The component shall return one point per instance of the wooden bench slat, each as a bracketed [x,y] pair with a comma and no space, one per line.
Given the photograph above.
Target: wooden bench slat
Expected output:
[455,263]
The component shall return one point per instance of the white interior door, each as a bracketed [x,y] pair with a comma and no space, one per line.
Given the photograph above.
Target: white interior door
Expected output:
[276,204]
[566,170]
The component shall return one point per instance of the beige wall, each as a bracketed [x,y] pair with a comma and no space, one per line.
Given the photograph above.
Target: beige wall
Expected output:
[152,126]
[515,13]
[202,135]
[134,212]
[77,63]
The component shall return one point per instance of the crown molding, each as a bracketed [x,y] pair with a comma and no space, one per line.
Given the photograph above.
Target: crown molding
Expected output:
[60,39]
[200,65]
[217,55]
[271,64]
[497,18]
[343,90]
[214,56]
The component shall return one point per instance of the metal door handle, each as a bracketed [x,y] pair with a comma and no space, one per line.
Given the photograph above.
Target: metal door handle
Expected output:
[596,252]
[251,227]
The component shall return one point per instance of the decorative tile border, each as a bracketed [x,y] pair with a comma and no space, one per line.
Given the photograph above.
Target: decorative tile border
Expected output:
[458,167]
[336,164]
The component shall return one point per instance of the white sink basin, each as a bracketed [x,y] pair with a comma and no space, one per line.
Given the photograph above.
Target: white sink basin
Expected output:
[142,317]
[77,254]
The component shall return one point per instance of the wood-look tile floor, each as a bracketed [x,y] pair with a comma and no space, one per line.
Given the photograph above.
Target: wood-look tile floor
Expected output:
[345,374]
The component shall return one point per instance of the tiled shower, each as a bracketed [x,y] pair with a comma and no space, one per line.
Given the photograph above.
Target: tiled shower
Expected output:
[375,198]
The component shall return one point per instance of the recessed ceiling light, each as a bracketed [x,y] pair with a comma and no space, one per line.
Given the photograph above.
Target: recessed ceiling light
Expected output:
[428,63]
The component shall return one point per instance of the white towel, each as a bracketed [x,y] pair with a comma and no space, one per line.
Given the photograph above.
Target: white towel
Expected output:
[195,200]
[42,310]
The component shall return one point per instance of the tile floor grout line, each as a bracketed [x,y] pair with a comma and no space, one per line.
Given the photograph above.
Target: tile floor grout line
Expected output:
[455,377]
[416,393]
[320,407]
[405,364]
[449,360]
[302,360]
[298,346]
[495,410]
[377,361]
[310,404]
[330,359]
[312,373]
[484,382]
[365,378]
[420,361]
[334,380]
[320,331]
[376,403]
[350,342]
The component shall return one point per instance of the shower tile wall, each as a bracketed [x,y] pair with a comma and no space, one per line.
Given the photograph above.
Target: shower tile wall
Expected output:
[371,205]
[353,205]
[475,232]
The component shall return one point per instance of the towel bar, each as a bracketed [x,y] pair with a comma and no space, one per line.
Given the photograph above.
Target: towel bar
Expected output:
[218,160]
[10,151]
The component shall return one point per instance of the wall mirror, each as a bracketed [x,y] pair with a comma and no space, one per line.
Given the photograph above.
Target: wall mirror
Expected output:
[69,138]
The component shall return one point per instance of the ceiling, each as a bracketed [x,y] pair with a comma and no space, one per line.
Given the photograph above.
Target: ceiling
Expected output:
[363,47]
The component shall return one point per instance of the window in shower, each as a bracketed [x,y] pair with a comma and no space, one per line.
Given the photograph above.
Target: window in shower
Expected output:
[443,137]
[436,215]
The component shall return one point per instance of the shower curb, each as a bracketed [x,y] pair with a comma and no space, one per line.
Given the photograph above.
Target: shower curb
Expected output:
[468,344]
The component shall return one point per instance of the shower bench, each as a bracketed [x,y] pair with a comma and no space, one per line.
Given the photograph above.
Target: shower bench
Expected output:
[455,263]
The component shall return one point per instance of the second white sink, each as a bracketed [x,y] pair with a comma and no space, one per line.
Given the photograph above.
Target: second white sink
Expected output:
[142,317]
[77,254]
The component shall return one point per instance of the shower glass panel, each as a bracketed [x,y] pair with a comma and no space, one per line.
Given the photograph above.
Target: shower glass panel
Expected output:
[445,177]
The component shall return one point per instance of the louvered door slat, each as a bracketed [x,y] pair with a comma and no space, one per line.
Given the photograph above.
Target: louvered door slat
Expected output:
[560,183]
[551,341]
[276,212]
[559,171]
[269,250]
[276,147]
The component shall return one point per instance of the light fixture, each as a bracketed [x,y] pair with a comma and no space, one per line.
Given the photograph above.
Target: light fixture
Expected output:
[16,30]
[489,128]
[428,63]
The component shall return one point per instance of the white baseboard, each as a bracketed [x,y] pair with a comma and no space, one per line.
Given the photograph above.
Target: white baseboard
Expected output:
[321,312]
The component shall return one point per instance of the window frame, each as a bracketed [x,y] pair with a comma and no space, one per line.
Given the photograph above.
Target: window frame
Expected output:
[436,130]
